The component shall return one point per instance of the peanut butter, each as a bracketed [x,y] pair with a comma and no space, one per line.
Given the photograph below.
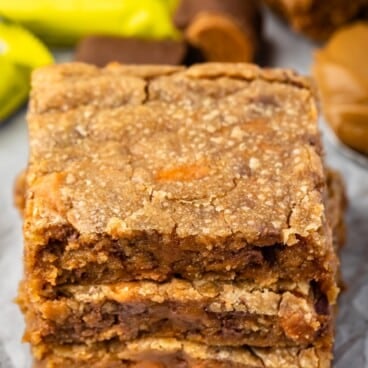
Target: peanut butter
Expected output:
[342,77]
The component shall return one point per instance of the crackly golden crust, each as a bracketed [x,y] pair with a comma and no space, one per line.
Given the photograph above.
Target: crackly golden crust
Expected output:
[172,353]
[318,19]
[189,141]
[175,171]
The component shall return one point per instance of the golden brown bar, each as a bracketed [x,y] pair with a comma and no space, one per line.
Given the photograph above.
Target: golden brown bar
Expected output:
[172,210]
[149,173]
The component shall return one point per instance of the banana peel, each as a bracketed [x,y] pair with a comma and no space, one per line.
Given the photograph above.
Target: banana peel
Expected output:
[20,53]
[65,22]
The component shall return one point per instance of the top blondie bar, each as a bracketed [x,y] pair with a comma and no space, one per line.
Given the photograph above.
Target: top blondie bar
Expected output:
[150,172]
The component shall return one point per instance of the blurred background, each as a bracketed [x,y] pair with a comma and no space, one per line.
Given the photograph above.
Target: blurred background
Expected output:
[326,40]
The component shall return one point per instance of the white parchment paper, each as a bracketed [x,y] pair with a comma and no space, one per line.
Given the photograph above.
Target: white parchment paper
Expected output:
[351,350]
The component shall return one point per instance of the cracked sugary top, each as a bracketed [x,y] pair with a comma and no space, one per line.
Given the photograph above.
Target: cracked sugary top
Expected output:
[213,150]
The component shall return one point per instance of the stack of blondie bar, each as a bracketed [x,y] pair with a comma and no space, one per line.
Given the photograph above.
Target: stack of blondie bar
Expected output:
[178,218]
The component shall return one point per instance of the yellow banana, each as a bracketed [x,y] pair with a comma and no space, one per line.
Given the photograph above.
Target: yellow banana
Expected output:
[20,53]
[63,22]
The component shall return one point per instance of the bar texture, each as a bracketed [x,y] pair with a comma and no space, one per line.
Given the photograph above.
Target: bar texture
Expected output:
[218,164]
[178,218]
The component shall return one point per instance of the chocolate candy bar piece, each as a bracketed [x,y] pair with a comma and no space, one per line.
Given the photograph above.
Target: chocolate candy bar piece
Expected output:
[101,50]
[223,30]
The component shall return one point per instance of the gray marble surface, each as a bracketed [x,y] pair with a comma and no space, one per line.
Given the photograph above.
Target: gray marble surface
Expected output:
[287,50]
